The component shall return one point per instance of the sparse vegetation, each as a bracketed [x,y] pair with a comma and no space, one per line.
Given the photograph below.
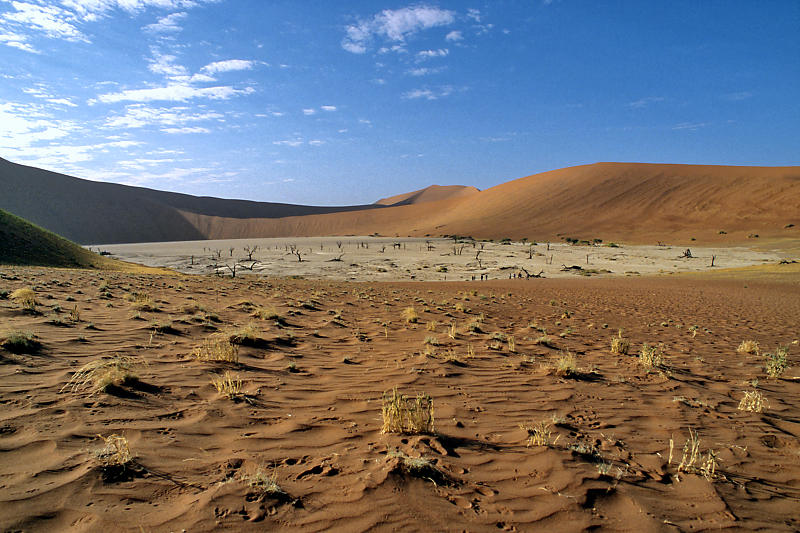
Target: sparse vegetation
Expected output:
[18,341]
[115,453]
[693,461]
[775,363]
[266,484]
[402,414]
[25,298]
[566,365]
[410,315]
[753,401]
[748,347]
[651,356]
[539,434]
[97,376]
[217,348]
[228,384]
[619,344]
[143,302]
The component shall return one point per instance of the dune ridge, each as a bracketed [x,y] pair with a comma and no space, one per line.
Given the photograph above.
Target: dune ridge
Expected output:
[632,202]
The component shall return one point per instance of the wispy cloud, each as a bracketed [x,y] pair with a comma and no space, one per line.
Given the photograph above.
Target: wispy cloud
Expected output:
[141,115]
[168,24]
[691,125]
[646,101]
[424,71]
[454,36]
[429,94]
[186,129]
[229,65]
[394,25]
[174,93]
[429,54]
[738,97]
[328,107]
[289,142]
[309,111]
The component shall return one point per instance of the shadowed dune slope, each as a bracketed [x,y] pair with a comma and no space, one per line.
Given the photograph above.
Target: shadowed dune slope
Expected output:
[95,212]
[634,202]
[24,243]
[429,194]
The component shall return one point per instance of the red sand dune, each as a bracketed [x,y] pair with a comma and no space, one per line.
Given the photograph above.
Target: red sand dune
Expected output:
[429,194]
[631,202]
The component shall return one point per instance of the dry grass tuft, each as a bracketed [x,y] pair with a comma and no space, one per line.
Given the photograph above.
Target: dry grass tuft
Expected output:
[217,348]
[143,302]
[539,434]
[431,325]
[410,315]
[750,347]
[776,362]
[651,356]
[268,313]
[753,402]
[693,461]
[98,376]
[25,298]
[567,365]
[619,344]
[228,384]
[266,484]
[18,341]
[248,335]
[115,453]
[402,414]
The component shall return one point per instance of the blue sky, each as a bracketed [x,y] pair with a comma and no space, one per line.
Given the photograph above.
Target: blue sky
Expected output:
[327,103]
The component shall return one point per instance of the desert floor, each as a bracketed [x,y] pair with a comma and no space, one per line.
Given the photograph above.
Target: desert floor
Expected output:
[387,259]
[314,373]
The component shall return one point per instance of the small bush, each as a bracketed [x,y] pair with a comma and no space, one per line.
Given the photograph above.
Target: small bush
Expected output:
[407,415]
[268,313]
[17,341]
[25,298]
[228,384]
[101,374]
[539,434]
[750,347]
[217,349]
[567,365]
[115,453]
[619,344]
[410,315]
[651,356]
[776,363]
[265,483]
[753,402]
[143,302]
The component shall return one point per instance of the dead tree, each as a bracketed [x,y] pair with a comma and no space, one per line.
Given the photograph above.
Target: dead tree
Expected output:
[252,265]
[478,259]
[687,254]
[232,268]
[337,258]
[429,245]
[713,257]
[339,244]
[530,252]
[231,249]
[250,250]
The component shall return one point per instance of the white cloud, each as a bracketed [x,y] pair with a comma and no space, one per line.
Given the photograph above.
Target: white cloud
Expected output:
[646,101]
[165,65]
[53,21]
[423,71]
[691,125]
[228,65]
[309,112]
[474,14]
[429,94]
[289,142]
[429,54]
[167,24]
[394,25]
[328,108]
[140,115]
[454,36]
[178,92]
[62,101]
[17,40]
[316,142]
[187,129]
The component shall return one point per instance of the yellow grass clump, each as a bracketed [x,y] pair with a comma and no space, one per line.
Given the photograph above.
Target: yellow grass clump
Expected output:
[217,348]
[750,347]
[619,344]
[651,356]
[25,298]
[115,453]
[753,402]
[410,315]
[143,302]
[539,434]
[402,414]
[228,384]
[98,376]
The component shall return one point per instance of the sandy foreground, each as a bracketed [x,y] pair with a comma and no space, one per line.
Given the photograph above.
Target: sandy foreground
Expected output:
[387,259]
[314,371]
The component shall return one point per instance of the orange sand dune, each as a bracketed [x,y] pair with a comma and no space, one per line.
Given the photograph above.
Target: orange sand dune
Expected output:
[429,194]
[634,202]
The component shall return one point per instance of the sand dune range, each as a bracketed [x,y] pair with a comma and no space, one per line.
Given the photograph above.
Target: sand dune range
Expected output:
[633,202]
